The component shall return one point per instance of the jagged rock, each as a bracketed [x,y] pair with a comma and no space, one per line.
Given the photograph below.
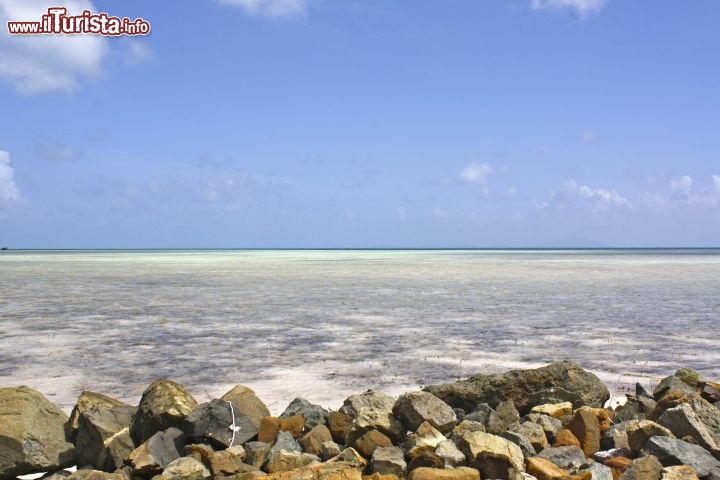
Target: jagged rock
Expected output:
[103,436]
[339,424]
[87,401]
[492,422]
[564,457]
[312,441]
[671,451]
[199,451]
[213,422]
[556,410]
[32,434]
[389,461]
[616,436]
[643,468]
[286,442]
[637,407]
[448,451]
[551,425]
[163,404]
[426,458]
[284,461]
[156,453]
[352,457]
[320,471]
[598,471]
[329,450]
[508,412]
[462,473]
[565,438]
[544,469]
[521,441]
[227,462]
[493,456]
[683,421]
[466,426]
[425,438]
[245,402]
[554,383]
[256,453]
[679,472]
[96,475]
[533,432]
[270,426]
[369,441]
[586,428]
[374,410]
[640,431]
[185,468]
[415,408]
[314,415]
[380,476]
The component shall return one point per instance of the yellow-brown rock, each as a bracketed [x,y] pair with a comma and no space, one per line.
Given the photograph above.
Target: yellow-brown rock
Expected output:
[339,424]
[319,471]
[312,441]
[556,410]
[565,438]
[270,426]
[461,473]
[369,441]
[586,428]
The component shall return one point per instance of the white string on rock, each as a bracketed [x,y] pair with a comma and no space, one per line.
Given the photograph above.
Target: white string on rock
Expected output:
[233,428]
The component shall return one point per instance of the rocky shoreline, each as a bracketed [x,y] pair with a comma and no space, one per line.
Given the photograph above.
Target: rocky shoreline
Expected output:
[548,423]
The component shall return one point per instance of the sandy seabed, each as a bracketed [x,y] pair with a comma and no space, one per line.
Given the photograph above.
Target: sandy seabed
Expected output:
[327,324]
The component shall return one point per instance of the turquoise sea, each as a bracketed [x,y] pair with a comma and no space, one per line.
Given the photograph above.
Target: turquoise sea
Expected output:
[323,324]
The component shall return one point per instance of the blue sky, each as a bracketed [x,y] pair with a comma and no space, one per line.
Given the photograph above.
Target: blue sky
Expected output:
[368,123]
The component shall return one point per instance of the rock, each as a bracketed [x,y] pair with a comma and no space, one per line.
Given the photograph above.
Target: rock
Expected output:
[555,410]
[493,456]
[679,472]
[426,458]
[199,451]
[163,404]
[508,413]
[103,436]
[369,441]
[544,469]
[617,436]
[564,457]
[87,401]
[314,415]
[339,424]
[185,468]
[312,441]
[213,422]
[466,426]
[389,460]
[228,461]
[565,438]
[643,468]
[96,475]
[284,461]
[448,451]
[414,408]
[380,476]
[598,471]
[462,473]
[352,457]
[256,453]
[534,433]
[551,425]
[640,431]
[286,442]
[492,422]
[329,450]
[586,428]
[374,410]
[683,421]
[156,453]
[320,471]
[671,451]
[426,438]
[554,383]
[270,426]
[636,408]
[245,402]
[32,434]
[521,441]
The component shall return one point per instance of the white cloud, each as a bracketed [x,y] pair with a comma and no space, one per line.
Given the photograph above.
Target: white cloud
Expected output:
[682,184]
[270,8]
[42,63]
[581,8]
[716,182]
[135,52]
[600,199]
[476,173]
[8,190]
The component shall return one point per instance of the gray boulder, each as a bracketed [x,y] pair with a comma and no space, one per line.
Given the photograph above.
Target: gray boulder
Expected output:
[32,434]
[373,410]
[88,401]
[682,421]
[414,408]
[213,422]
[164,404]
[185,468]
[314,415]
[492,422]
[554,383]
[389,461]
[671,451]
[156,453]
[247,403]
[564,457]
[103,437]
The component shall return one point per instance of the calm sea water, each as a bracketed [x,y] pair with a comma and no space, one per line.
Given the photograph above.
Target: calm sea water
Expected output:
[325,324]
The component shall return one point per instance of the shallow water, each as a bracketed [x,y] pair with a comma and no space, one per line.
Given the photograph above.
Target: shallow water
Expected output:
[325,324]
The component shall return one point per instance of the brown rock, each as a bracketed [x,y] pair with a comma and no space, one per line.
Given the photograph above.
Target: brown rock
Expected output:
[544,469]
[270,426]
[679,472]
[565,438]
[493,456]
[286,461]
[380,476]
[87,401]
[618,465]
[643,468]
[586,428]
[339,424]
[228,461]
[312,441]
[426,458]
[369,441]
[556,410]
[245,402]
[670,400]
[639,432]
[460,473]
[351,457]
[319,471]
[163,404]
